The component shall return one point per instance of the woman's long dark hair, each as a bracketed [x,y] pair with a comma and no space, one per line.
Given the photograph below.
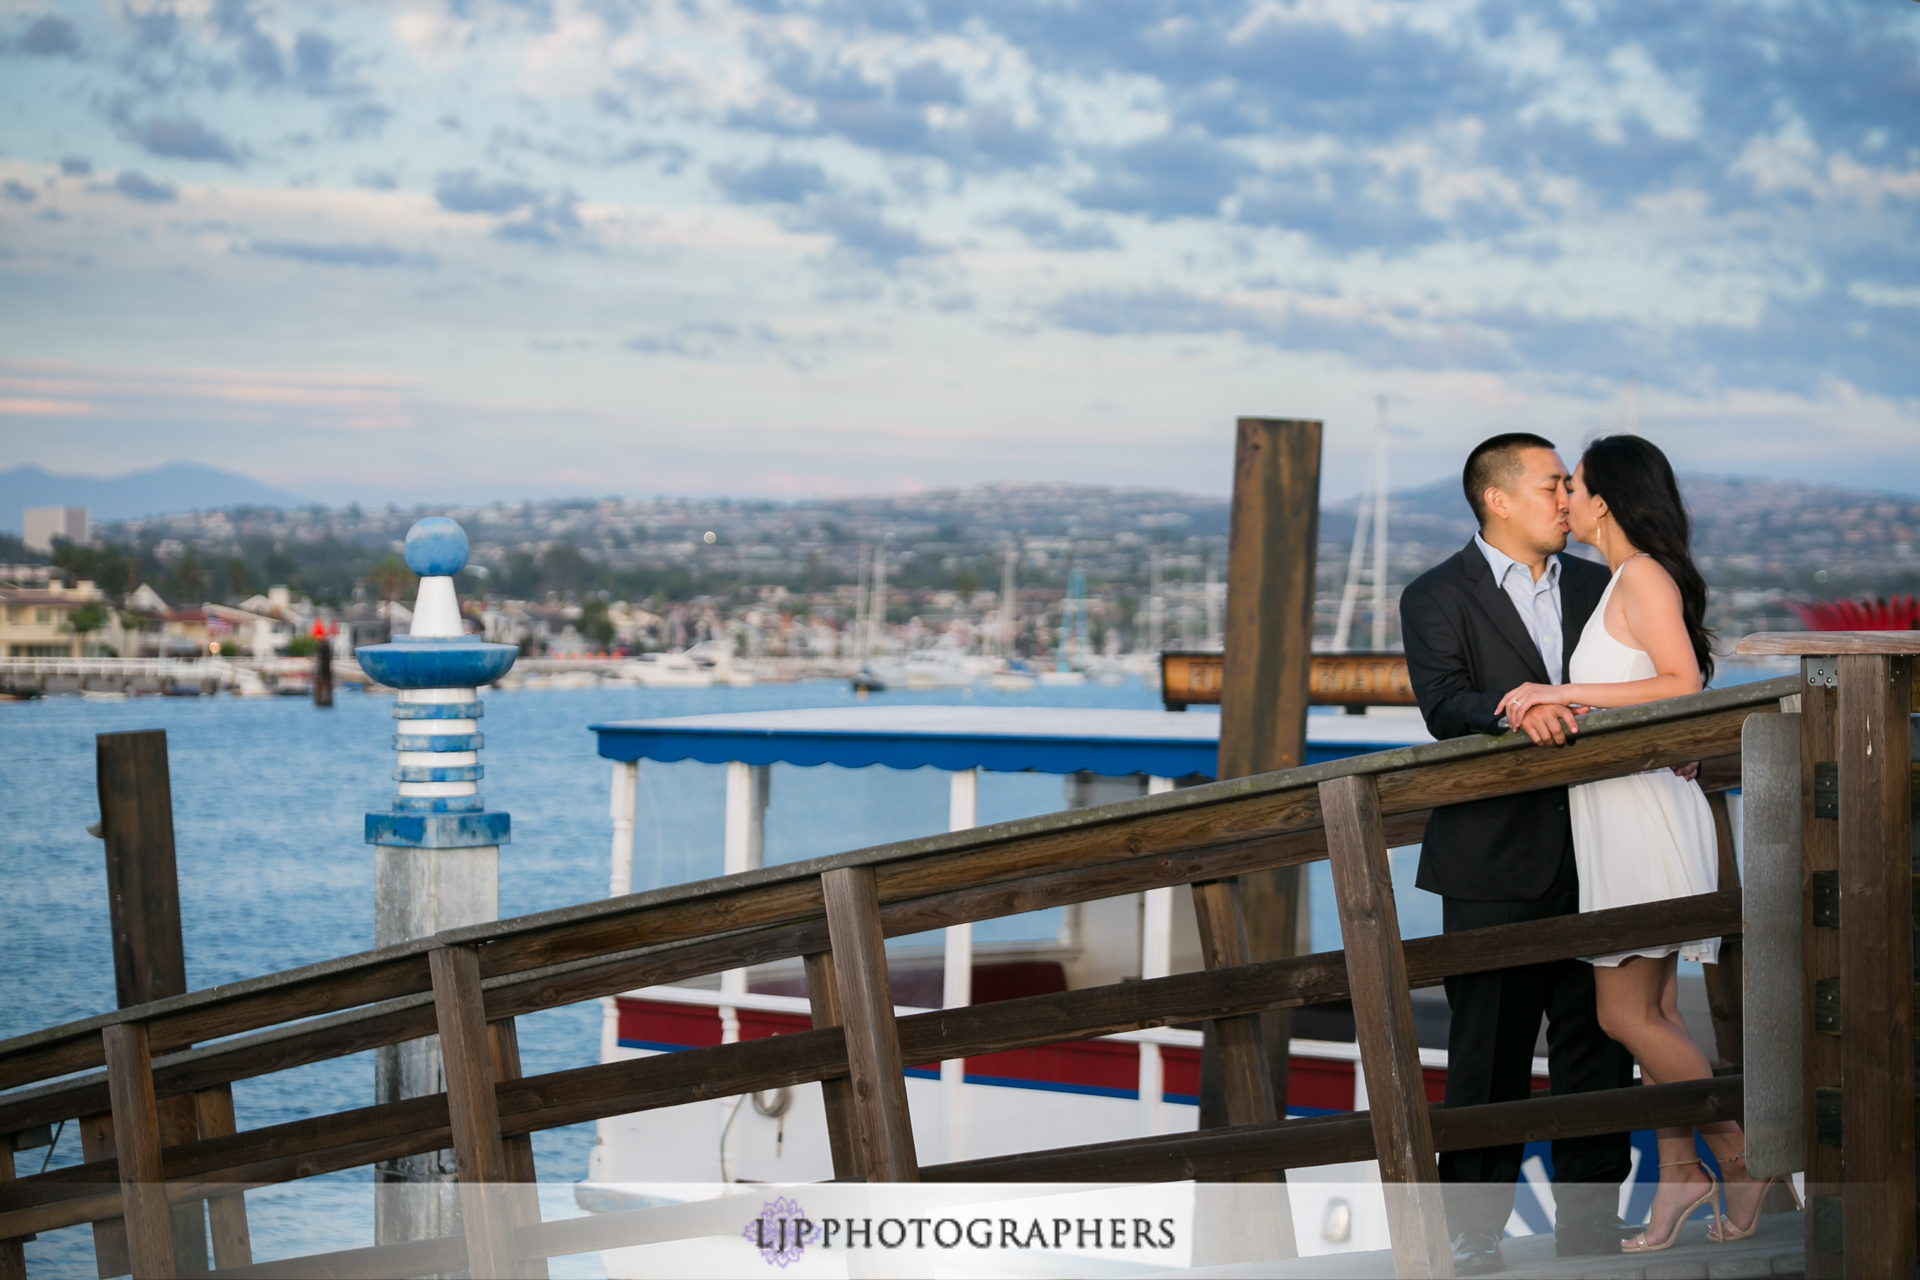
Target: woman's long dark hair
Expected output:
[1641,495]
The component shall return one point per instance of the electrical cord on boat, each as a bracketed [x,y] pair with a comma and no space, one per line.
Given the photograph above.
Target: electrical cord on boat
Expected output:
[51,1145]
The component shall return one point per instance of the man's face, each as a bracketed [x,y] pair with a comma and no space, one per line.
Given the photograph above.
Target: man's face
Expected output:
[1534,511]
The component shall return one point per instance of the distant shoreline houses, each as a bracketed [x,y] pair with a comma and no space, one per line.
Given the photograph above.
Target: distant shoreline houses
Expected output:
[43,616]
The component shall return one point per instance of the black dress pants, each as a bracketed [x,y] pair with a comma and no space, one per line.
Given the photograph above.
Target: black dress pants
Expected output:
[1496,1022]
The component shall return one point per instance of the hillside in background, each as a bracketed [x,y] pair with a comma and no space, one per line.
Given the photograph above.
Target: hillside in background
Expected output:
[177,486]
[1761,544]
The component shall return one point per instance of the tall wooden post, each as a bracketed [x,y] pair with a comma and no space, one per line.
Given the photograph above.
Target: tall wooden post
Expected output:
[1857,930]
[1272,543]
[149,958]
[323,673]
[1876,964]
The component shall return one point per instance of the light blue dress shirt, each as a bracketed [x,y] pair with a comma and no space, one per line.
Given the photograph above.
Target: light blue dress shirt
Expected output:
[1538,603]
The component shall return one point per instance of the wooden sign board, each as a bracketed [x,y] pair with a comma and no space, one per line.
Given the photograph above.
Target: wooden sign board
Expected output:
[1337,680]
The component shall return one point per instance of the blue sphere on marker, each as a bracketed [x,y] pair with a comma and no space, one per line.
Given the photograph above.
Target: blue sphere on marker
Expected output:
[436,547]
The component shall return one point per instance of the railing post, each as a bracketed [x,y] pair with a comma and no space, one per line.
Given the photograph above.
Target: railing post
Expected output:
[1725,1002]
[13,1252]
[1820,954]
[227,1215]
[479,1153]
[136,1140]
[1246,1080]
[873,1040]
[503,1043]
[1383,1021]
[1876,964]
[843,1130]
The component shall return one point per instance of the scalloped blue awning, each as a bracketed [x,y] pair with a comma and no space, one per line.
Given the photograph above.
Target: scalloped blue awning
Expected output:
[1168,744]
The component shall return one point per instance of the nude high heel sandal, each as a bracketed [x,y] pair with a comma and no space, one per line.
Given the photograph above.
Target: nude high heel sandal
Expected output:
[1725,1231]
[1711,1199]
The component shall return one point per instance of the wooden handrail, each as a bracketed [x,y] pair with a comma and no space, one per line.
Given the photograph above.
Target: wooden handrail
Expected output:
[344,1139]
[1247,814]
[491,973]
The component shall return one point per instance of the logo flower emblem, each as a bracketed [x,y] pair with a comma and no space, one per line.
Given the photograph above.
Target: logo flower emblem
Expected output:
[780,1232]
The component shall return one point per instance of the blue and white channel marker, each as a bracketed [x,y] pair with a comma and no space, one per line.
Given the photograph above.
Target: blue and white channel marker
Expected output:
[437,851]
[438,671]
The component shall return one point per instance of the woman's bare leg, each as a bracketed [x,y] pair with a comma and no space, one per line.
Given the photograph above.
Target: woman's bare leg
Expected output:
[1724,1139]
[1638,1003]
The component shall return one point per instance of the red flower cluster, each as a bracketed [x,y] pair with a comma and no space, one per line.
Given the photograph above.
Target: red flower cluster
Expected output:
[1902,613]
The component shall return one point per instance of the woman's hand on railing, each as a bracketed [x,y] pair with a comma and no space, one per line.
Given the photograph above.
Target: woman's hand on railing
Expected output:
[1523,698]
[1548,724]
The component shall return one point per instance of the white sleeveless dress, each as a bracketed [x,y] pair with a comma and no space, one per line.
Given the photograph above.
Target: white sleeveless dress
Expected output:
[1645,837]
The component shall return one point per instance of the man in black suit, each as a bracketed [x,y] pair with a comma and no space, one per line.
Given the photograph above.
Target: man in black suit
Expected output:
[1506,610]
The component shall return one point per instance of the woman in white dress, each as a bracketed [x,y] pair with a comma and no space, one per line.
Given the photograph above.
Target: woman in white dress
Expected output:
[1648,836]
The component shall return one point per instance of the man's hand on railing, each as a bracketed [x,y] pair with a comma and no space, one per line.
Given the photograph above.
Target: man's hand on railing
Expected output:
[1549,723]
[1688,771]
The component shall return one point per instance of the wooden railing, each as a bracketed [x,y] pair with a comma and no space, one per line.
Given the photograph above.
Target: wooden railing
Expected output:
[467,985]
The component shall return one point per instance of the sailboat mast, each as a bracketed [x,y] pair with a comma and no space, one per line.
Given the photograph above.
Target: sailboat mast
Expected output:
[1008,622]
[1380,532]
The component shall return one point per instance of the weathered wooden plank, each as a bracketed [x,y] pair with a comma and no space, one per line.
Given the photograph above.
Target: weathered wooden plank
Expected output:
[136,1135]
[1829,643]
[227,1214]
[96,1145]
[13,1251]
[843,1131]
[1246,1082]
[1820,951]
[1725,980]
[1771,931]
[503,1041]
[1383,1026]
[321,1144]
[1272,540]
[1876,962]
[873,1043]
[473,1112]
[136,824]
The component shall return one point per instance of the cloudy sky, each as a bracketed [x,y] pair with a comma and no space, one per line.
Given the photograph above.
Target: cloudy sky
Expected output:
[786,247]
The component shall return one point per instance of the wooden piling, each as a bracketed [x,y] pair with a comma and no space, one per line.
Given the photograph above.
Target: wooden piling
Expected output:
[1876,964]
[873,1040]
[1383,1023]
[1272,545]
[323,673]
[149,958]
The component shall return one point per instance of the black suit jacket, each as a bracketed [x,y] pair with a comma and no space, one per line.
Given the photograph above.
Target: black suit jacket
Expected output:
[1466,647]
